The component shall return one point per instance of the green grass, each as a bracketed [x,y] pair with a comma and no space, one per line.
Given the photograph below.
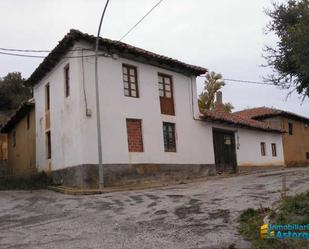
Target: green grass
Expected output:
[293,210]
[39,181]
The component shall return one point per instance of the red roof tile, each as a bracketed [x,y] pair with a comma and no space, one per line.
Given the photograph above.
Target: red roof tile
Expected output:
[266,112]
[237,120]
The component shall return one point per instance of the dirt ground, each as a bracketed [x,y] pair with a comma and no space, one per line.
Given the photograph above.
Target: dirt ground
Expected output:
[195,215]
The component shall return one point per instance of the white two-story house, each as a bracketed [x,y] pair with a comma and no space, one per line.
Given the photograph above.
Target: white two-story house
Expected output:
[150,123]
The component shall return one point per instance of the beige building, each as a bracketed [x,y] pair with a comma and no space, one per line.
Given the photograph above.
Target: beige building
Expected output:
[20,130]
[296,137]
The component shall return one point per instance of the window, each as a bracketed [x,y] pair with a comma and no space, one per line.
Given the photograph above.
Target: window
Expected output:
[166,94]
[67,80]
[48,145]
[129,74]
[274,149]
[290,128]
[14,139]
[28,121]
[135,137]
[263,149]
[47,97]
[169,137]
[307,155]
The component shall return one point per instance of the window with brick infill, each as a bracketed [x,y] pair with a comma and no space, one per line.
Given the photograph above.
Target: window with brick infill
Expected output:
[135,137]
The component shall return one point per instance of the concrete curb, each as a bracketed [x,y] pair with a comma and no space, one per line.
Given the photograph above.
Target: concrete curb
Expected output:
[143,186]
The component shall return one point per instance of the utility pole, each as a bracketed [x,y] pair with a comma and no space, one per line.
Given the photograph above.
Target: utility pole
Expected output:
[101,172]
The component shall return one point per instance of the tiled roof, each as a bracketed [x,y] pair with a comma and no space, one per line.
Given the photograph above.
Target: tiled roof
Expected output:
[17,116]
[113,47]
[234,119]
[266,112]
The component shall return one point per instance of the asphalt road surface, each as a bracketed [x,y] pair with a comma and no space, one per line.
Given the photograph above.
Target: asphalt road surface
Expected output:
[195,215]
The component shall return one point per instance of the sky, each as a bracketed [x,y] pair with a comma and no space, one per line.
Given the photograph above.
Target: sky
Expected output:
[224,36]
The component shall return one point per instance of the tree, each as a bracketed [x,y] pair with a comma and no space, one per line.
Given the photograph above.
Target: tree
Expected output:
[13,91]
[290,58]
[213,83]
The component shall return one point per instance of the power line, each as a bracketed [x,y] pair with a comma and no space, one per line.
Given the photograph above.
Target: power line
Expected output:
[135,25]
[25,50]
[247,81]
[42,57]
[250,82]
[40,51]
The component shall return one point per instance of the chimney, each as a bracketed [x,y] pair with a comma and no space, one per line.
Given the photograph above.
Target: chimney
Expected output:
[219,103]
[219,98]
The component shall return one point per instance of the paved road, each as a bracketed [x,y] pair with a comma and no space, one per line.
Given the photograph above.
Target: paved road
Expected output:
[195,215]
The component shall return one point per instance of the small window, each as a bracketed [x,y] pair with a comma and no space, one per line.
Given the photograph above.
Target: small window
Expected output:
[130,85]
[165,86]
[169,137]
[290,128]
[48,145]
[67,80]
[274,149]
[28,121]
[47,97]
[307,155]
[14,139]
[135,137]
[263,149]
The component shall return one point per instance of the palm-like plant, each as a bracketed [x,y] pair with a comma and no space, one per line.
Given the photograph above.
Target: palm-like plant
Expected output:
[213,83]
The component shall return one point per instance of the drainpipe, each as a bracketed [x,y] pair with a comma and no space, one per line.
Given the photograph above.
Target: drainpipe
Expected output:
[192,101]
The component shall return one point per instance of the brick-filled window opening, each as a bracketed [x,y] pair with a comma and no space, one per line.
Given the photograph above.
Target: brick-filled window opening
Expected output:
[165,83]
[169,136]
[47,97]
[263,149]
[48,145]
[130,84]
[274,149]
[290,128]
[135,136]
[67,80]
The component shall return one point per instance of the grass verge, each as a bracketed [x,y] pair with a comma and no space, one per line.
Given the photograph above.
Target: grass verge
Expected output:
[292,210]
[39,181]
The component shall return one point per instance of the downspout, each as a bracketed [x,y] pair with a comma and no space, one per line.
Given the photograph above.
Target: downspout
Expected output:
[192,101]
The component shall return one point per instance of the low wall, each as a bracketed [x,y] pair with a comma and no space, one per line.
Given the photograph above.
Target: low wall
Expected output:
[86,176]
[257,169]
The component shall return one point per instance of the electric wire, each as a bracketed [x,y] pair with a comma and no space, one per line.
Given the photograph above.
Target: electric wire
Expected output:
[42,56]
[135,25]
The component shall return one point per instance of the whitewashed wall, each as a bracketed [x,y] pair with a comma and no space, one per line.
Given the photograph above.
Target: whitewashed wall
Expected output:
[249,141]
[65,119]
[194,138]
[74,135]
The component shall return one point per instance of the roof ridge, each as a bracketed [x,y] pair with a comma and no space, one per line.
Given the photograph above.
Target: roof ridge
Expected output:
[113,46]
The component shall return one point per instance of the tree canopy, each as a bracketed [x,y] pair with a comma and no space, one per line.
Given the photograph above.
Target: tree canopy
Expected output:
[290,58]
[13,91]
[213,83]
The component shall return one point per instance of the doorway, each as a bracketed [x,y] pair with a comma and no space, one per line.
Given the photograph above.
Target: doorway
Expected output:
[225,151]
